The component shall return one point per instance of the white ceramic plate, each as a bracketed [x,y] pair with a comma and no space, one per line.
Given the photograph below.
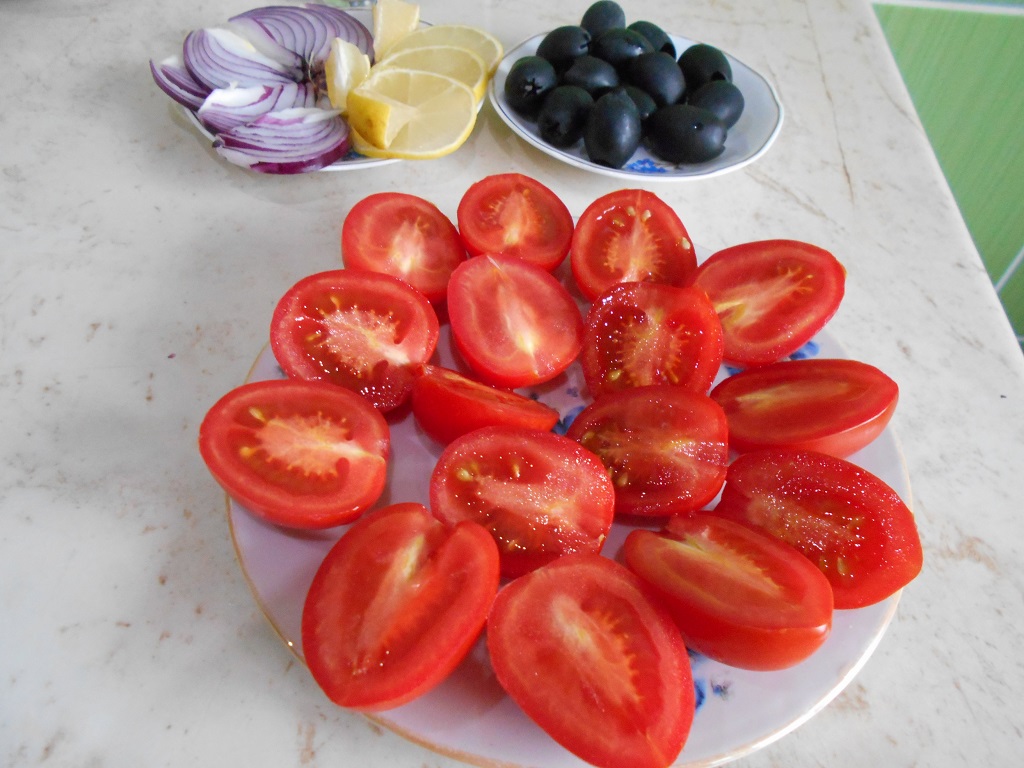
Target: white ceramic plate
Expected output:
[469,717]
[750,138]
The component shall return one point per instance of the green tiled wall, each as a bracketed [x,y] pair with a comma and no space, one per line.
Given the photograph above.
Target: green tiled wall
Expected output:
[963,64]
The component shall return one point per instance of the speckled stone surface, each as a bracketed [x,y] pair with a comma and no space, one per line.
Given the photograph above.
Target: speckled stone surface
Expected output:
[137,276]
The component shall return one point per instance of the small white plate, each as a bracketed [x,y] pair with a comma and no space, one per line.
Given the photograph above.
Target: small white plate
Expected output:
[468,716]
[750,138]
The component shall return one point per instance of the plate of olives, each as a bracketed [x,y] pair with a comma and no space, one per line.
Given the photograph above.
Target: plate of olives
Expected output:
[631,100]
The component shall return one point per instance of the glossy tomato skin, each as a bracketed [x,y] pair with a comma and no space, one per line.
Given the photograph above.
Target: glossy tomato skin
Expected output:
[403,236]
[447,405]
[647,333]
[515,215]
[365,331]
[540,495]
[299,454]
[396,605]
[664,447]
[772,296]
[832,406]
[626,236]
[739,596]
[513,322]
[584,650]
[848,522]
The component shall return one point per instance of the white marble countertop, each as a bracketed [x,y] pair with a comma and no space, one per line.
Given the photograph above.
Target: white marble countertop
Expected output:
[137,275]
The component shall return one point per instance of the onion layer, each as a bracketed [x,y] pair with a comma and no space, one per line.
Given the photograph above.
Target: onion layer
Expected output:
[227,108]
[295,140]
[174,80]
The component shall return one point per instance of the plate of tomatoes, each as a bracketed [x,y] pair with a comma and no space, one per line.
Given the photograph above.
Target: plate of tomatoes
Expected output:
[525,495]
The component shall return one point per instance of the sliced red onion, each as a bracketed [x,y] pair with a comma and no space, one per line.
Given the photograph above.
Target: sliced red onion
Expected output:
[294,140]
[264,43]
[309,29]
[174,80]
[220,58]
[227,108]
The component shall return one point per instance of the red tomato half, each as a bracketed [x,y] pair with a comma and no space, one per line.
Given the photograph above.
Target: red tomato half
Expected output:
[772,296]
[516,215]
[844,519]
[365,331]
[630,236]
[581,648]
[664,447]
[396,605]
[645,333]
[738,596]
[447,404]
[831,406]
[512,321]
[301,454]
[403,236]
[539,494]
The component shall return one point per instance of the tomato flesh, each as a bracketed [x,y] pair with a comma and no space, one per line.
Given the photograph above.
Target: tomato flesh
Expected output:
[515,215]
[772,296]
[300,454]
[628,236]
[594,662]
[645,333]
[540,495]
[848,522]
[447,405]
[403,236]
[365,331]
[832,406]
[665,448]
[738,596]
[396,605]
[512,321]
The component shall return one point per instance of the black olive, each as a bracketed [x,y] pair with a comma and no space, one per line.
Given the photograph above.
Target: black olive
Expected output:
[617,46]
[612,133]
[656,36]
[701,63]
[644,103]
[564,115]
[529,80]
[602,16]
[720,97]
[659,75]
[683,133]
[595,76]
[563,44]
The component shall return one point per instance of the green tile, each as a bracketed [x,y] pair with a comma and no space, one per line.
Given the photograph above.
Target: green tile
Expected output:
[964,72]
[1012,296]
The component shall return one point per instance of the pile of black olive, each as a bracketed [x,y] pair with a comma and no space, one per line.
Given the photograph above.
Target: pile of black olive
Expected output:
[616,86]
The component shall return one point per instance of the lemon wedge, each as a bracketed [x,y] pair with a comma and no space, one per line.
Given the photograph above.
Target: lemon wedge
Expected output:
[346,67]
[479,41]
[459,64]
[411,114]
[392,20]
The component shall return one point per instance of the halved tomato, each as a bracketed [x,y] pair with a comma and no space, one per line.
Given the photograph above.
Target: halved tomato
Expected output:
[772,296]
[646,333]
[630,236]
[540,495]
[848,522]
[396,605]
[516,215]
[365,331]
[403,236]
[738,596]
[300,454]
[447,404]
[664,447]
[512,321]
[827,405]
[582,648]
